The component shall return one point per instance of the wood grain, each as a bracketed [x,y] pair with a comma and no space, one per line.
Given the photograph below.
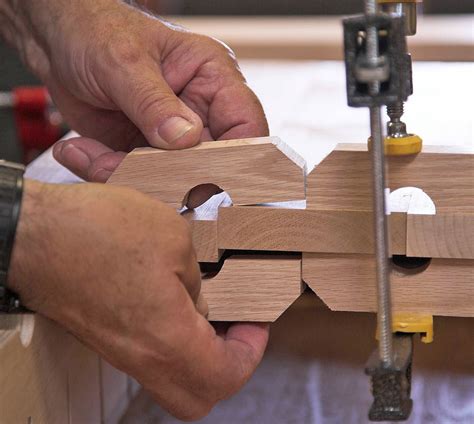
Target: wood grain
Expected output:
[253,288]
[343,179]
[347,283]
[441,236]
[55,379]
[84,386]
[439,38]
[251,171]
[288,227]
[34,379]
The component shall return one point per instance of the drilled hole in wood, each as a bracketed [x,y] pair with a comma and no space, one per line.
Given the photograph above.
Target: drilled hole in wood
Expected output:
[408,265]
[200,194]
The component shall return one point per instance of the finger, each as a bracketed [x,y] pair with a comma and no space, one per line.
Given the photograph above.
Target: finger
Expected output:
[206,368]
[191,279]
[228,361]
[228,107]
[206,135]
[87,158]
[242,117]
[202,306]
[147,99]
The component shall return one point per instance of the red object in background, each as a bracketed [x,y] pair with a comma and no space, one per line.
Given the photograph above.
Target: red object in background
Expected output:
[33,111]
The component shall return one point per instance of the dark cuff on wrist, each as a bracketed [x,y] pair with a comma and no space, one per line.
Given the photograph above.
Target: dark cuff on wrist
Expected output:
[11,191]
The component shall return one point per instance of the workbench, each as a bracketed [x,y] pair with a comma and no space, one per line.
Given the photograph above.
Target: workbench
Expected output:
[313,369]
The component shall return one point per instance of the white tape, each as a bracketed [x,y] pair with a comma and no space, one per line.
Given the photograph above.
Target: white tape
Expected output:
[388,209]
[411,200]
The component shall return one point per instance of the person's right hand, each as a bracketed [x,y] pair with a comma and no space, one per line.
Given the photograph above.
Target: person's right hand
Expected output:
[118,270]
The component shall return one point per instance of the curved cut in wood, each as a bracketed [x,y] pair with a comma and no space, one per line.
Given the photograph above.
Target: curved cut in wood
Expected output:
[252,171]
[347,283]
[203,223]
[343,179]
[253,288]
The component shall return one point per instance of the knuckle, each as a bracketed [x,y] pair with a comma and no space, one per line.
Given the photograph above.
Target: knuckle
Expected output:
[119,51]
[151,102]
[220,47]
[196,411]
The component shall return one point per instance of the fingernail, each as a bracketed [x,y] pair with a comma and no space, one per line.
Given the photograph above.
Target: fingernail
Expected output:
[174,128]
[202,306]
[74,157]
[101,176]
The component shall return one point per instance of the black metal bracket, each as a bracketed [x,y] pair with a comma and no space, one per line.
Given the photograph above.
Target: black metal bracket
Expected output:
[391,386]
[393,69]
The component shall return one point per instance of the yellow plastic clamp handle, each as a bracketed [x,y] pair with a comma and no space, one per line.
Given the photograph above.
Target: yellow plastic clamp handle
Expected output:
[413,323]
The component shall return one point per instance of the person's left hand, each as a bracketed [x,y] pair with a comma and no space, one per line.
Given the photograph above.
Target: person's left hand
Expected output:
[123,79]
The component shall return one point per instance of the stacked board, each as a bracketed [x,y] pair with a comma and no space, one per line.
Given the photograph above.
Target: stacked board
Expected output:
[283,228]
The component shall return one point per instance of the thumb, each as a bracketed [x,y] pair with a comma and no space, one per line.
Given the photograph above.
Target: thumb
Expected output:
[150,103]
[87,158]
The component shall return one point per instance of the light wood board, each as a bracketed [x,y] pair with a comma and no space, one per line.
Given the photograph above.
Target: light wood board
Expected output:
[53,378]
[343,179]
[441,236]
[251,171]
[287,228]
[253,288]
[34,379]
[439,38]
[347,283]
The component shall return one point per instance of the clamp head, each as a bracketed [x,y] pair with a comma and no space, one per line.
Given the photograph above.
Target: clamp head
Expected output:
[409,144]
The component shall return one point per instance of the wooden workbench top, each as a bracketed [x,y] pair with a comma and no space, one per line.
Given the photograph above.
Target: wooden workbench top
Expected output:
[442,37]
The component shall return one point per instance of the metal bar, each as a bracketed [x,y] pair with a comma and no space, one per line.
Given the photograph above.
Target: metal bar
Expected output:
[384,313]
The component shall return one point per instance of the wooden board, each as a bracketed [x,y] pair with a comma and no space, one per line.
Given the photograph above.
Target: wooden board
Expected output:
[251,171]
[441,236]
[343,179]
[439,38]
[33,378]
[288,227]
[253,288]
[84,386]
[347,283]
[53,378]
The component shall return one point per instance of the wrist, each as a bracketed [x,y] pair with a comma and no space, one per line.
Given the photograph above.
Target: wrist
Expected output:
[25,247]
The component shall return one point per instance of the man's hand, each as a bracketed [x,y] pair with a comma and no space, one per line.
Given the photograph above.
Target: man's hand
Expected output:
[118,270]
[123,79]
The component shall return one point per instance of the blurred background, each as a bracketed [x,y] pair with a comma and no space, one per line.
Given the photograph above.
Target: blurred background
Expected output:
[26,130]
[292,7]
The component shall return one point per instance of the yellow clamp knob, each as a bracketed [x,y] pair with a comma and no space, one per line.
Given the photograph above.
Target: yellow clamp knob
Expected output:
[401,146]
[413,323]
